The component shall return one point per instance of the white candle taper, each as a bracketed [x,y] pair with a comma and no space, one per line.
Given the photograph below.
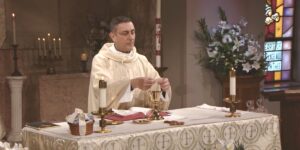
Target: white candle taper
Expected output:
[54,45]
[59,46]
[158,61]
[49,41]
[102,96]
[232,81]
[158,35]
[14,28]
[40,47]
[158,8]
[44,46]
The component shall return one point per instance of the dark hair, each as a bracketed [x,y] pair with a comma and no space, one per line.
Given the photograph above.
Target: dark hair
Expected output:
[117,20]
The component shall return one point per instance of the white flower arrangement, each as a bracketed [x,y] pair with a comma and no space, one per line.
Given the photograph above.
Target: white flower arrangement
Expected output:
[228,47]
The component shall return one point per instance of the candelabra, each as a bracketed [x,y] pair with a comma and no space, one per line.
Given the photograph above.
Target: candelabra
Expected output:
[102,122]
[15,57]
[155,98]
[49,54]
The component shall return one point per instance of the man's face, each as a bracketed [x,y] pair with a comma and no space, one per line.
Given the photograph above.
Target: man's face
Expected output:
[124,36]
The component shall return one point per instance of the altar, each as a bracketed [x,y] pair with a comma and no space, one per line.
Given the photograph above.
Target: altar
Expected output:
[202,129]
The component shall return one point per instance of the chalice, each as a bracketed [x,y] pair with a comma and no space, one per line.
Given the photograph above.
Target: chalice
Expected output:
[155,99]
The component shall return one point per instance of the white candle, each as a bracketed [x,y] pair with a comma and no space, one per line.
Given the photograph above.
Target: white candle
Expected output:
[54,45]
[158,61]
[232,82]
[102,96]
[44,46]
[40,47]
[158,50]
[14,28]
[49,41]
[158,34]
[158,8]
[59,46]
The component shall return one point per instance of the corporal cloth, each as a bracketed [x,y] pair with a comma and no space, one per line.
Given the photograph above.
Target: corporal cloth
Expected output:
[118,69]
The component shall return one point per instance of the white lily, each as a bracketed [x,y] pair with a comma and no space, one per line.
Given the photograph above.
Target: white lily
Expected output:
[250,51]
[246,67]
[256,65]
[226,38]
[211,53]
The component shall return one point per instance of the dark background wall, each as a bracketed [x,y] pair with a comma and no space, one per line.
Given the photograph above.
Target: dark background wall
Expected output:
[72,20]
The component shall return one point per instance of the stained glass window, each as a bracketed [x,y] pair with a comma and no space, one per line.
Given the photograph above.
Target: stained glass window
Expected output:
[279,24]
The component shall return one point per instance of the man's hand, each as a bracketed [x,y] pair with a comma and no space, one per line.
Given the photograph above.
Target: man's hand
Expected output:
[164,83]
[142,83]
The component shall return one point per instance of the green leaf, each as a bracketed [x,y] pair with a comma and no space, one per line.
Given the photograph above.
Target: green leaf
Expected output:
[222,14]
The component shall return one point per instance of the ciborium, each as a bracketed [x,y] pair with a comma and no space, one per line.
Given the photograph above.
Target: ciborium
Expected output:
[155,100]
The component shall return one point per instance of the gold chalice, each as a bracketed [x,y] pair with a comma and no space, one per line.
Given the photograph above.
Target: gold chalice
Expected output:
[155,99]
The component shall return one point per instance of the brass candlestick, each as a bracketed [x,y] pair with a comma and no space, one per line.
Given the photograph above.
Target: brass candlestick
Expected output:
[15,57]
[161,70]
[232,99]
[232,106]
[84,66]
[102,122]
[155,98]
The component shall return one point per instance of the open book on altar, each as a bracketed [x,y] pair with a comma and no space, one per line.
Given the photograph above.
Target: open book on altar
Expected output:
[41,124]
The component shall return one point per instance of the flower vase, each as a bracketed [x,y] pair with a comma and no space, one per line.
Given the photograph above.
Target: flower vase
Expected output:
[247,88]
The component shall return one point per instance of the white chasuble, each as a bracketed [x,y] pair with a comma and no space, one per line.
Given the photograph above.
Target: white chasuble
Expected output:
[117,69]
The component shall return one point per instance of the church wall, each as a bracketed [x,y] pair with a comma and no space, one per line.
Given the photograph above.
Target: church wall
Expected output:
[173,48]
[72,21]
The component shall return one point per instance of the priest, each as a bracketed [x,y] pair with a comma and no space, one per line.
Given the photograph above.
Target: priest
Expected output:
[129,75]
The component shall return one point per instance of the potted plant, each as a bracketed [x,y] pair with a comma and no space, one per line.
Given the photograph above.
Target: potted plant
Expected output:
[226,46]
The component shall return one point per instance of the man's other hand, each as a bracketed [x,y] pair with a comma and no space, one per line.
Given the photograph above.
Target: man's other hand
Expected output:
[164,83]
[142,83]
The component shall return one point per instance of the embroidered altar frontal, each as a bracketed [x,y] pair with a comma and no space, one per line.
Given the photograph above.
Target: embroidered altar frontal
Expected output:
[203,129]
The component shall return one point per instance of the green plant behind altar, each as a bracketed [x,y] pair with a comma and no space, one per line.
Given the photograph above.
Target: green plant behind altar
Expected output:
[226,47]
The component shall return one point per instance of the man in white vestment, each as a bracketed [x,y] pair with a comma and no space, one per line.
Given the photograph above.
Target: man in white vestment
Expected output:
[128,74]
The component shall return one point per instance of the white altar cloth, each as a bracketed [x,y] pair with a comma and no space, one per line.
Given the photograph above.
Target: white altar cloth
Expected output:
[203,129]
